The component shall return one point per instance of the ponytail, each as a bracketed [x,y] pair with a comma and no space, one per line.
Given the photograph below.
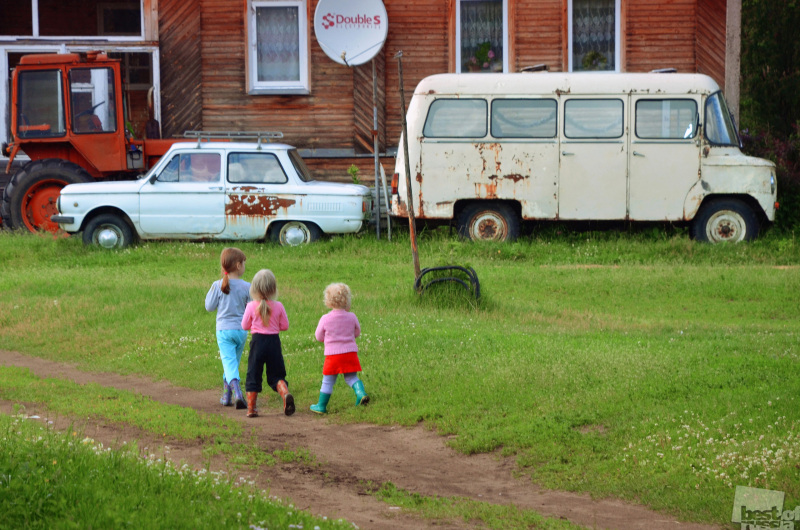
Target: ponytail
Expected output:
[265,311]
[229,260]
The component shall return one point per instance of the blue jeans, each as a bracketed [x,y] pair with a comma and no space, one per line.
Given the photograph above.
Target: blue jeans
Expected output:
[231,345]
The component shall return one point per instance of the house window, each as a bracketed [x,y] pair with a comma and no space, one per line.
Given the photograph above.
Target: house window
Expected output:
[278,47]
[594,35]
[481,36]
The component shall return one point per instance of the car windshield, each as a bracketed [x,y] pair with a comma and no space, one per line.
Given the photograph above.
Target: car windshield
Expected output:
[300,166]
[720,129]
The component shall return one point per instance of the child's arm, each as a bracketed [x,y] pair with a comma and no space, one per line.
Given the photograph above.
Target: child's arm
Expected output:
[247,319]
[283,320]
[358,327]
[212,298]
[319,334]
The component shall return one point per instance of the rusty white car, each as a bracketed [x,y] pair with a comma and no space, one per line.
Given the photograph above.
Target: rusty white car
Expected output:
[216,191]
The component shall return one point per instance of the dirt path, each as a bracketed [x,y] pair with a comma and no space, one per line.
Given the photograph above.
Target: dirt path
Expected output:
[413,459]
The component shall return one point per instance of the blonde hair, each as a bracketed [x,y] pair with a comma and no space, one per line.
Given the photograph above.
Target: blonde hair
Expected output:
[263,288]
[230,258]
[338,296]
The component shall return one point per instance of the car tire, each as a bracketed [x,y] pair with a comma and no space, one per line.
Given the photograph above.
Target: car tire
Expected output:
[488,221]
[293,233]
[725,220]
[30,197]
[108,231]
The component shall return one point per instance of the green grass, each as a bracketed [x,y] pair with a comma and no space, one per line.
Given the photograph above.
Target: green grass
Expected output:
[589,358]
[491,515]
[52,480]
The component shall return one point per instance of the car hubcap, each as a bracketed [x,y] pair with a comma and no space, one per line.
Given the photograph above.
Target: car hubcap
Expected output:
[108,237]
[294,234]
[726,226]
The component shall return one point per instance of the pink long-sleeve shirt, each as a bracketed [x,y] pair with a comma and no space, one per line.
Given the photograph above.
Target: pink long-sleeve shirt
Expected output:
[338,330]
[278,321]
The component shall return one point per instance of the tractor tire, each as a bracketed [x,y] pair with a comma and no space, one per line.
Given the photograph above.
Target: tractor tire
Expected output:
[30,198]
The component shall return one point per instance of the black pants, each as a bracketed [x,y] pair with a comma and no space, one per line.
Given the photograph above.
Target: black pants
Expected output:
[264,350]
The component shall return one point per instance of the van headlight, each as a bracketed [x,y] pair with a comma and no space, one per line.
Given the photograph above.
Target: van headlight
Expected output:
[58,203]
[772,183]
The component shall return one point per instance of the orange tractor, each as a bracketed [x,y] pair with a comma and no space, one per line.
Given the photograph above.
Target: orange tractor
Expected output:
[67,116]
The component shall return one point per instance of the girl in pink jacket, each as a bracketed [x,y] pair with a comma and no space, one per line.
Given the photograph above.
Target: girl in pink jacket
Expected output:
[338,330]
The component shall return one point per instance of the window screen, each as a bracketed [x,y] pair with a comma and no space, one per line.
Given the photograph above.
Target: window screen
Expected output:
[456,118]
[666,118]
[524,118]
[593,118]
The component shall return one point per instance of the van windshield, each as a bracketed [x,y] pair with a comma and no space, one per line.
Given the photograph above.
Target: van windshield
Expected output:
[720,129]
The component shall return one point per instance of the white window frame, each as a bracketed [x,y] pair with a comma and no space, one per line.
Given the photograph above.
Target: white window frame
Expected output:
[617,28]
[505,34]
[256,87]
[5,79]
[35,28]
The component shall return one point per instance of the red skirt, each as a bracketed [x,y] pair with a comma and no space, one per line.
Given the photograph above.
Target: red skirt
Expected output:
[341,363]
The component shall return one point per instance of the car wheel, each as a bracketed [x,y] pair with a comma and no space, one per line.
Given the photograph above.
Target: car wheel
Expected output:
[488,221]
[108,231]
[293,233]
[725,220]
[30,198]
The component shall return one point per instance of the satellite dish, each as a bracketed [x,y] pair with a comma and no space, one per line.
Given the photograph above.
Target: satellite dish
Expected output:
[351,32]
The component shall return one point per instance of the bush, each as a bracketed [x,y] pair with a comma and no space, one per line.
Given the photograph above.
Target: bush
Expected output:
[785,152]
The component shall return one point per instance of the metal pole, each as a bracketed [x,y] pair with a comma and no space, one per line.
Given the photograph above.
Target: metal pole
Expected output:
[411,221]
[375,150]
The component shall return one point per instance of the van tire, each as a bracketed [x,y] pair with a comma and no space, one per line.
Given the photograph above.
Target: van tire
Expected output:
[488,221]
[293,233]
[725,220]
[108,231]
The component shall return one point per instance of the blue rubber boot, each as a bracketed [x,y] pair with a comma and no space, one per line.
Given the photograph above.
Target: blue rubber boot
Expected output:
[238,398]
[225,400]
[322,406]
[361,395]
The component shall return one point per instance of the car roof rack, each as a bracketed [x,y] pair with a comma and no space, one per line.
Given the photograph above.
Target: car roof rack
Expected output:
[206,136]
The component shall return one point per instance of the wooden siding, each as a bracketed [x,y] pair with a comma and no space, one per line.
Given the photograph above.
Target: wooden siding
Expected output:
[711,29]
[364,106]
[540,36]
[179,27]
[660,34]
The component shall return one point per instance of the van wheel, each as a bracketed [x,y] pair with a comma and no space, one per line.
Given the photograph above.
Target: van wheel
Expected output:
[293,233]
[490,221]
[108,231]
[725,220]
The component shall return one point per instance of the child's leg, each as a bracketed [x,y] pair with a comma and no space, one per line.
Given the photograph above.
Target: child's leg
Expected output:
[324,394]
[255,363]
[241,339]
[228,354]
[276,373]
[358,387]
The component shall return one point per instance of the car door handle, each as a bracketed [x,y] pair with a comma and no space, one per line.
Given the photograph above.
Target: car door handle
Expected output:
[564,153]
[215,188]
[637,153]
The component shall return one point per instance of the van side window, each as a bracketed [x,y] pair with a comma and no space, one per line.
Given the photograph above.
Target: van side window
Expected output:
[456,118]
[524,118]
[593,118]
[663,119]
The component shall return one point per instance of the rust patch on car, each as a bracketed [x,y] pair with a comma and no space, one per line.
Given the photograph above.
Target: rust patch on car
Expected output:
[256,205]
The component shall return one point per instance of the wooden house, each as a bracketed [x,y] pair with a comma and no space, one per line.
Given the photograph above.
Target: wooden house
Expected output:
[251,65]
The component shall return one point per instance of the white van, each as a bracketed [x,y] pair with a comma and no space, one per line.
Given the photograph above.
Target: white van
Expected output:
[490,151]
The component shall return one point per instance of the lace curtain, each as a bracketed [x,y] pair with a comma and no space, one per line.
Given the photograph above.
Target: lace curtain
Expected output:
[593,35]
[278,43]
[482,36]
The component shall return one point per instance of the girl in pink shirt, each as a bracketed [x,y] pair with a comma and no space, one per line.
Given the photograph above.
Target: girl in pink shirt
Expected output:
[338,331]
[265,317]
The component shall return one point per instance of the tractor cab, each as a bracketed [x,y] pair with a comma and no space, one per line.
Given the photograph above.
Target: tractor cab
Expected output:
[67,115]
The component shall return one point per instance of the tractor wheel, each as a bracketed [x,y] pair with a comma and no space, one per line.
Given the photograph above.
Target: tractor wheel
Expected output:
[30,198]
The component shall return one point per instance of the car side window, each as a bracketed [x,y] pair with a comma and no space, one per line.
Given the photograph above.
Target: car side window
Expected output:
[170,172]
[255,168]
